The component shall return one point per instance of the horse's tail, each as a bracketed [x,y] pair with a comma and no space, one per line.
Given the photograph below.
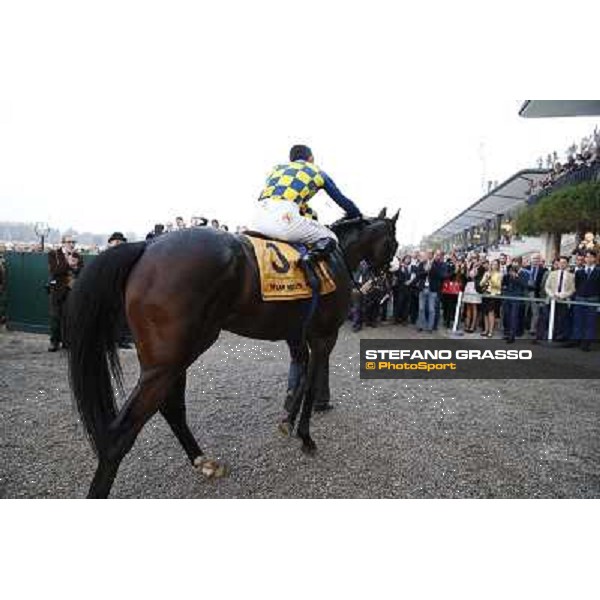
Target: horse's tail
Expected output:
[95,316]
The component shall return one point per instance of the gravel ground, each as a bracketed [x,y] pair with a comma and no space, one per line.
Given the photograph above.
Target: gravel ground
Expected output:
[392,439]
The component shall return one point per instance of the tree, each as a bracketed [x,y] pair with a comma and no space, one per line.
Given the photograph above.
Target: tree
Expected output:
[574,209]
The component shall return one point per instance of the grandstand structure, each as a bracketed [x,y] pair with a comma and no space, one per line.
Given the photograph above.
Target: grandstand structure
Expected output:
[488,222]
[535,109]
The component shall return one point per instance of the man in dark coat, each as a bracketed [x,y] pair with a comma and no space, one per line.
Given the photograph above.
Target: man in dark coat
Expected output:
[402,280]
[515,284]
[64,265]
[587,289]
[362,276]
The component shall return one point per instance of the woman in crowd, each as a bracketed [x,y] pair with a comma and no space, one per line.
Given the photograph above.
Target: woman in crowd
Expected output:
[541,332]
[472,297]
[491,285]
[451,287]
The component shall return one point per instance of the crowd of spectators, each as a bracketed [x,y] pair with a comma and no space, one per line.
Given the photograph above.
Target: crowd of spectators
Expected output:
[577,157]
[36,247]
[180,224]
[500,297]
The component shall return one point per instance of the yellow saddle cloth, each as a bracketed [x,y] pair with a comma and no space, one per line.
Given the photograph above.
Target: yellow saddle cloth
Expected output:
[280,276]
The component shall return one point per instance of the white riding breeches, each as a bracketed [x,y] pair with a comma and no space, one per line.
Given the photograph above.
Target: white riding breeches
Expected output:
[281,220]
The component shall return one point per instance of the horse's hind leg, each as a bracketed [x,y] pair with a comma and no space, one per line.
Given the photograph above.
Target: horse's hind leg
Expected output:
[173,410]
[142,404]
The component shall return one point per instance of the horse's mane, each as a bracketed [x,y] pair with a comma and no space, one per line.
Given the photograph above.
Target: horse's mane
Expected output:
[343,224]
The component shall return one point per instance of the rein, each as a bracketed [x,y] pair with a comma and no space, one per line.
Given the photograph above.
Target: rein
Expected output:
[350,273]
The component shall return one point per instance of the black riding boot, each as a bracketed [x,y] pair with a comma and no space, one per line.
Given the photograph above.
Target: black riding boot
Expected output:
[320,250]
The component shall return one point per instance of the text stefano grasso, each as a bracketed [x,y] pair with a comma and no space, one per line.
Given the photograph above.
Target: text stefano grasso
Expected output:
[386,354]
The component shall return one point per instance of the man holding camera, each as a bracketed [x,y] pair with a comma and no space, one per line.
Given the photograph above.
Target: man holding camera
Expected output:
[430,276]
[64,265]
[515,284]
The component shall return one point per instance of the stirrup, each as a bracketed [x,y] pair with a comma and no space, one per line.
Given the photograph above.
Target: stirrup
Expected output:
[320,250]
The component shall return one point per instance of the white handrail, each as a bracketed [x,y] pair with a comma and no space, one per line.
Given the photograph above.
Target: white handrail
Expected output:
[551,319]
[457,312]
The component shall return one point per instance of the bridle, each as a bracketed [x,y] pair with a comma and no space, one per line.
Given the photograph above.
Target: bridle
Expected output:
[378,272]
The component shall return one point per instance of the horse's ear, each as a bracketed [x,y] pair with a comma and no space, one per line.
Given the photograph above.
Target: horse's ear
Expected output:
[395,217]
[381,215]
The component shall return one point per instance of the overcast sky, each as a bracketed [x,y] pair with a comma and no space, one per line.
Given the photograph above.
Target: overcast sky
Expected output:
[121,115]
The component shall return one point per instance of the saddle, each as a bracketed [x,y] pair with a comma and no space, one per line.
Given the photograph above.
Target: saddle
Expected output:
[281,278]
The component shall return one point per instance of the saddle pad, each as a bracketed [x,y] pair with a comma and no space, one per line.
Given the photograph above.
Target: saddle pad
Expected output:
[280,276]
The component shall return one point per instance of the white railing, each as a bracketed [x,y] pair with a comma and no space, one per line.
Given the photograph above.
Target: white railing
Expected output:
[552,302]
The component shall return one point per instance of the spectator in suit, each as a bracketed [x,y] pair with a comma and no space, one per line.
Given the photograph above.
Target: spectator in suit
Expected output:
[587,289]
[579,262]
[503,264]
[535,276]
[403,277]
[515,283]
[560,285]
[413,289]
[159,229]
[391,288]
[374,298]
[430,275]
[64,265]
[362,276]
[116,238]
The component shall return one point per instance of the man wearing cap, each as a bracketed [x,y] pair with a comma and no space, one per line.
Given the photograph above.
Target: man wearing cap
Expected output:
[64,265]
[116,238]
[283,212]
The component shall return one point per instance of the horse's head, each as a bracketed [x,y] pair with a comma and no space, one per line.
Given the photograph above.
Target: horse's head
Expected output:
[371,239]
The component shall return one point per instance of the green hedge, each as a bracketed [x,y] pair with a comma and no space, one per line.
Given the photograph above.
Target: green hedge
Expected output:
[573,209]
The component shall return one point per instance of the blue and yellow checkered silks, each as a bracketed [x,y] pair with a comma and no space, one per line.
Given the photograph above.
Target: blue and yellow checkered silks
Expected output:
[297,181]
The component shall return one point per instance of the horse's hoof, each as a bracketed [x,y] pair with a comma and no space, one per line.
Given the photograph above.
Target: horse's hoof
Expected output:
[284,428]
[309,448]
[211,469]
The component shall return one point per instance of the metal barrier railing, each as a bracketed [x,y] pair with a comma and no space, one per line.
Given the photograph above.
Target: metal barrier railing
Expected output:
[552,302]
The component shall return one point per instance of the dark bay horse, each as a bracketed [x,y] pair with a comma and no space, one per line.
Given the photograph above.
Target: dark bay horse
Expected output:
[178,292]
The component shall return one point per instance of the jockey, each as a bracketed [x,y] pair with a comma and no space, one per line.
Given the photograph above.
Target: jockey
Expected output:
[283,212]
